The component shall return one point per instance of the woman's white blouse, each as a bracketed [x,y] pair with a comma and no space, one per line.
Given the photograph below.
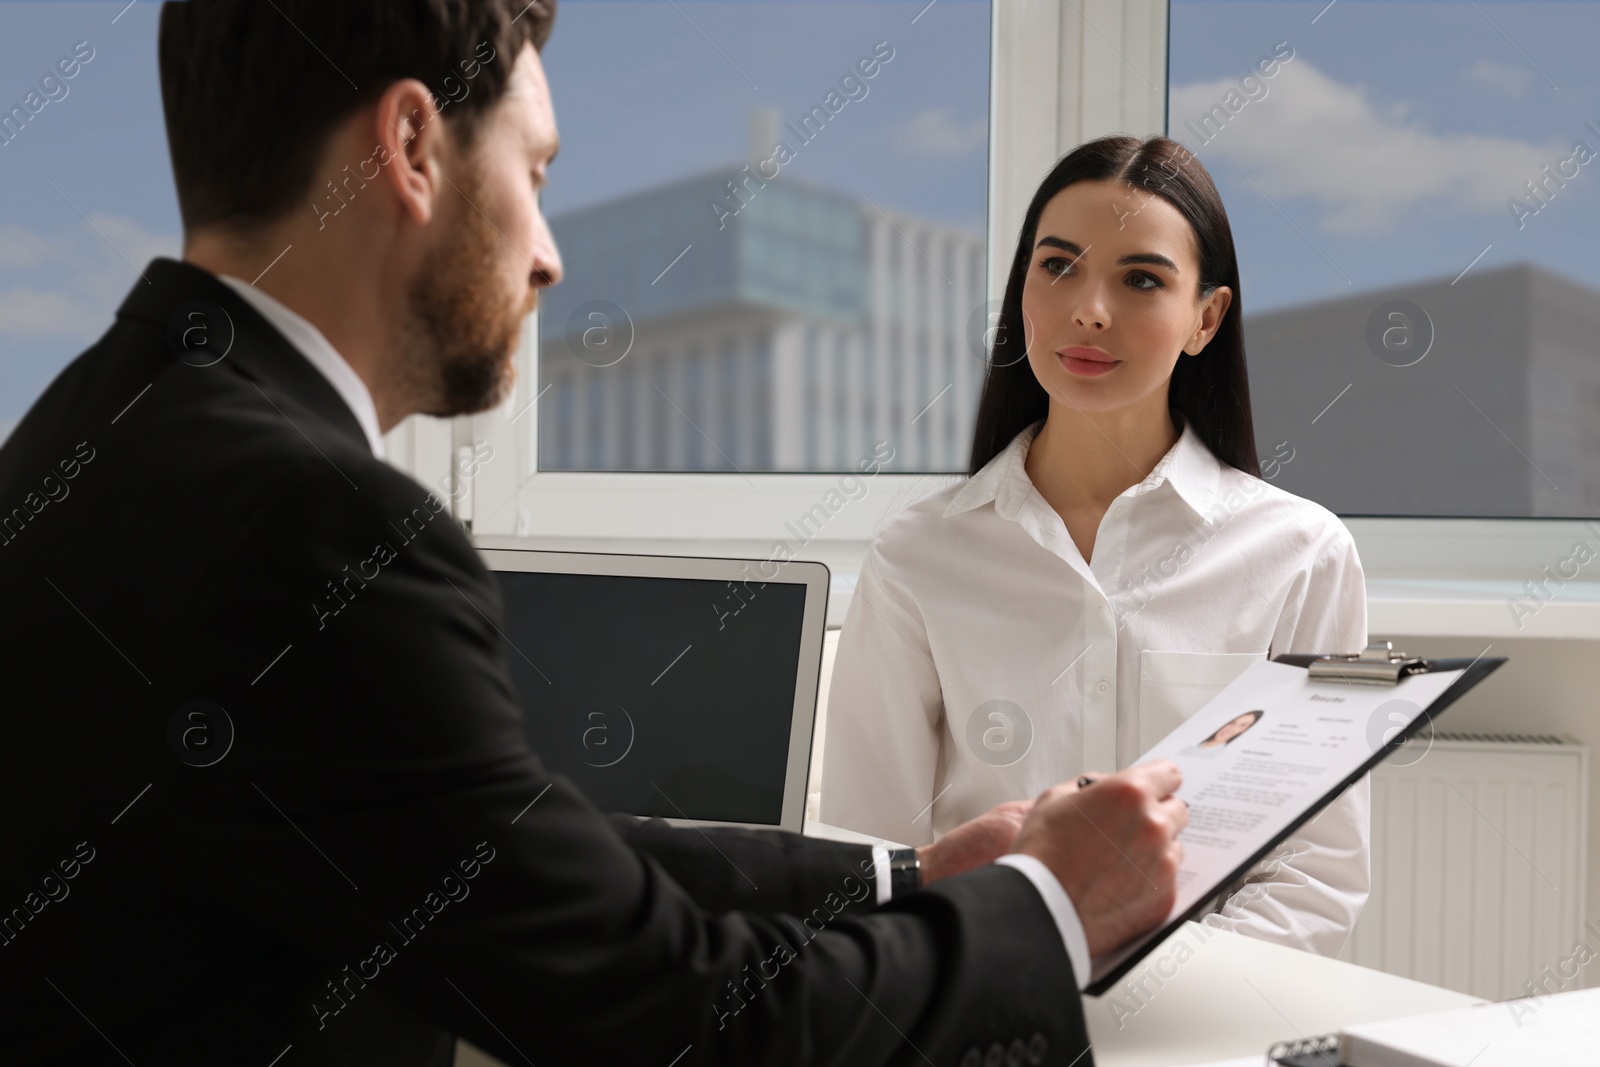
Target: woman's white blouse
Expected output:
[983,660]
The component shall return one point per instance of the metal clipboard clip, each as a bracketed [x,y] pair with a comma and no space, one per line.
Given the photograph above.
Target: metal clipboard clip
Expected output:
[1377,664]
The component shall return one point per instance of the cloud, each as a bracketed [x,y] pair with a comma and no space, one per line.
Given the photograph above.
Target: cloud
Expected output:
[1368,166]
[939,133]
[21,248]
[69,284]
[1514,81]
[26,312]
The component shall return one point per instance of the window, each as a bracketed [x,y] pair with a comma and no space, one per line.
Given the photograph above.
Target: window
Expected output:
[1416,233]
[777,168]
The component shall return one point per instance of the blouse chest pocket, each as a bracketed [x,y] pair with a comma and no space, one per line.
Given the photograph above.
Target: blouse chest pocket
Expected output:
[1175,685]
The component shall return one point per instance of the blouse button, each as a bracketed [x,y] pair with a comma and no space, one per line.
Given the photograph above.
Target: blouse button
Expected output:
[1103,686]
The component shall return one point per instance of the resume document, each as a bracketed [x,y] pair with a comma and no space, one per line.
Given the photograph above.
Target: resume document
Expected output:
[1263,753]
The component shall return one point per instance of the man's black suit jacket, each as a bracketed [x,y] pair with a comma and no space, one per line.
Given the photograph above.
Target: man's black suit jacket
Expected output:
[376,862]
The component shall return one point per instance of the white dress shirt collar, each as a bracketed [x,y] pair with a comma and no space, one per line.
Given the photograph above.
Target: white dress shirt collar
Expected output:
[1188,467]
[309,342]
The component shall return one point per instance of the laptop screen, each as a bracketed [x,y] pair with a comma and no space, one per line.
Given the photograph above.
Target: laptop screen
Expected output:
[670,697]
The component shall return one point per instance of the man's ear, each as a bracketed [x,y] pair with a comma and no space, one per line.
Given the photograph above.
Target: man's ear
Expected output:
[410,144]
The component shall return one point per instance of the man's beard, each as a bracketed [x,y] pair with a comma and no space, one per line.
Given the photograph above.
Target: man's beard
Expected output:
[461,326]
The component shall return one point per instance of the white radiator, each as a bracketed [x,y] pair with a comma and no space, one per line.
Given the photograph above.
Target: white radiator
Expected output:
[1479,848]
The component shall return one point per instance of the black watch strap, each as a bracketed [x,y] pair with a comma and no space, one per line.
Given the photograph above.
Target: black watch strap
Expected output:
[905,872]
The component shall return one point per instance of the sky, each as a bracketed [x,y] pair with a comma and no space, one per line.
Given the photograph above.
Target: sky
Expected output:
[642,98]
[87,173]
[1384,151]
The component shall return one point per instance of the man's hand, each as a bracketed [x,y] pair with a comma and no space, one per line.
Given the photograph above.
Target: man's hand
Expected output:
[1113,846]
[975,842]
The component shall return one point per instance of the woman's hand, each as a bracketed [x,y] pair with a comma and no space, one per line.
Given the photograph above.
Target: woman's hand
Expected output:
[975,842]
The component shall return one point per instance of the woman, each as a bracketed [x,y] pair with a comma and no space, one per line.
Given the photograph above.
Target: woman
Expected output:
[1223,735]
[1112,560]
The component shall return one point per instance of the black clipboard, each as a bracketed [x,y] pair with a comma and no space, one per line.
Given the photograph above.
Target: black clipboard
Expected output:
[1378,665]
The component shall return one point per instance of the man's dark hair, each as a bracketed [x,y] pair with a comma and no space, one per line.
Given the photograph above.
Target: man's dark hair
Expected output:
[253,90]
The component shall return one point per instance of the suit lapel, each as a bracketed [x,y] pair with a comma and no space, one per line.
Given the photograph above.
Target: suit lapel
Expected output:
[258,350]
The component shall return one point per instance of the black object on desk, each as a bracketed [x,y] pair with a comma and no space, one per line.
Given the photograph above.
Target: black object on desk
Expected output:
[1307,1052]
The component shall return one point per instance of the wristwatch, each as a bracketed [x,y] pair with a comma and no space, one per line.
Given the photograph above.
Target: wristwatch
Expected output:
[905,872]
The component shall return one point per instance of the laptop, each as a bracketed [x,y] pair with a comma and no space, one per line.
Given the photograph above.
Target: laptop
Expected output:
[677,687]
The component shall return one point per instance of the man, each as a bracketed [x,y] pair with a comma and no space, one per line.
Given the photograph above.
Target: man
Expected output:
[267,794]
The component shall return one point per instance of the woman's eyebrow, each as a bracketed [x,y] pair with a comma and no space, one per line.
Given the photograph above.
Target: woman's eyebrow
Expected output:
[1150,258]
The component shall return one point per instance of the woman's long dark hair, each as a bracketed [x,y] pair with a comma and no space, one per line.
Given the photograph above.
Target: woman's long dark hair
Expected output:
[1209,390]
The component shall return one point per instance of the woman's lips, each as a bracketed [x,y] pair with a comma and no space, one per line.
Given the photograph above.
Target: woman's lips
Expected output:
[1087,362]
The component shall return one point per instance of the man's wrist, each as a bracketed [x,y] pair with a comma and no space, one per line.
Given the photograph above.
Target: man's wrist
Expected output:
[905,871]
[897,872]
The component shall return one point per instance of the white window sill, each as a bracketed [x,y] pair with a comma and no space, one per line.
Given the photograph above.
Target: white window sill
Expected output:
[1445,578]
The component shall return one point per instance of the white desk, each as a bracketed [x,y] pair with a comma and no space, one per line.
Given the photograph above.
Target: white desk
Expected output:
[1224,996]
[1208,995]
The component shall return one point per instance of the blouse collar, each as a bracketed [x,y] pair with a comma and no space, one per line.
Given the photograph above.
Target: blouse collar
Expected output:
[1188,467]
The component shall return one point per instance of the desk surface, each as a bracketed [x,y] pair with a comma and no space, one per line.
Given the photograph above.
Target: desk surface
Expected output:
[1207,995]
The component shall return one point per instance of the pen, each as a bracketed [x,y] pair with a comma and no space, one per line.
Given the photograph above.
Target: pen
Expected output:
[1086,780]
